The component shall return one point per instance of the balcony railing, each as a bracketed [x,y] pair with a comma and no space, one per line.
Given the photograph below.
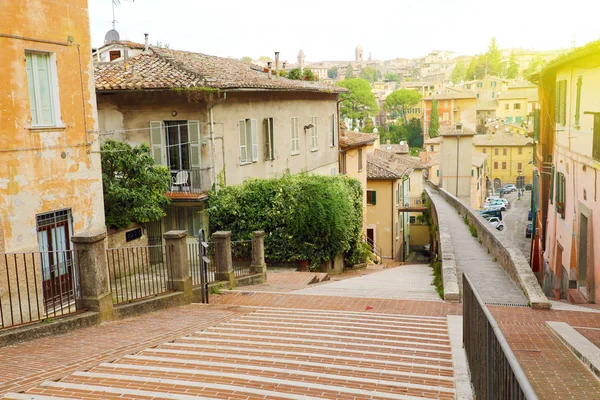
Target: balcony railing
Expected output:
[411,203]
[186,180]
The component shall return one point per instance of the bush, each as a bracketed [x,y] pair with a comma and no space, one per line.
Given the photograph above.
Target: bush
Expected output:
[438,281]
[305,217]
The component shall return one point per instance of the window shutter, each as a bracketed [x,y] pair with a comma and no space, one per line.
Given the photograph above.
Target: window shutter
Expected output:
[156,142]
[267,131]
[194,135]
[536,124]
[578,100]
[596,140]
[243,144]
[31,87]
[332,130]
[373,197]
[552,185]
[271,123]
[254,138]
[45,115]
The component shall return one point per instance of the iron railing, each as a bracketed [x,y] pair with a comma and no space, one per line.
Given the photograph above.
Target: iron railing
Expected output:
[495,371]
[38,286]
[412,202]
[376,250]
[188,180]
[195,265]
[139,272]
[241,255]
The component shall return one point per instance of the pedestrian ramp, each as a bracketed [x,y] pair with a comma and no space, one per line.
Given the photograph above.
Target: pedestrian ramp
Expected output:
[283,354]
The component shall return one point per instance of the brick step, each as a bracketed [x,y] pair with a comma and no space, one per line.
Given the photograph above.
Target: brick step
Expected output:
[575,297]
[302,313]
[296,278]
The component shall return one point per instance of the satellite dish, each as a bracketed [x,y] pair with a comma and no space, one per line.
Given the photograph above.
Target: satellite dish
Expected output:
[111,36]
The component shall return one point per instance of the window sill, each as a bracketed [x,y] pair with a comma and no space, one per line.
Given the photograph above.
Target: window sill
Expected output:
[242,163]
[46,128]
[295,153]
[315,149]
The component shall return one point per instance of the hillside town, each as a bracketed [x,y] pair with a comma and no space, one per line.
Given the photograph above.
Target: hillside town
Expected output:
[182,225]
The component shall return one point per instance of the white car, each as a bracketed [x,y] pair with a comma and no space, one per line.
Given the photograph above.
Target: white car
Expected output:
[496,223]
[497,201]
[500,204]
[493,207]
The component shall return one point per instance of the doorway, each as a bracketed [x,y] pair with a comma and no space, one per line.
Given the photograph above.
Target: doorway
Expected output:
[582,264]
[371,238]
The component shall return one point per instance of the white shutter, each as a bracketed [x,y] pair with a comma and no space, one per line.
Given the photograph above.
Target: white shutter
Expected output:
[332,130]
[45,113]
[31,87]
[243,144]
[194,135]
[156,142]
[254,136]
[271,123]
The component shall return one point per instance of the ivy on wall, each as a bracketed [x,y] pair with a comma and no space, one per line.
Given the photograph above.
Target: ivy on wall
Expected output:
[305,217]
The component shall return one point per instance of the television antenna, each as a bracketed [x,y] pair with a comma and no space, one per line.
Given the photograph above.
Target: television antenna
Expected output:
[116,3]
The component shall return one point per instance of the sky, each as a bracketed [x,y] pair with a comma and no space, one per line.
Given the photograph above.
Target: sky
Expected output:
[331,30]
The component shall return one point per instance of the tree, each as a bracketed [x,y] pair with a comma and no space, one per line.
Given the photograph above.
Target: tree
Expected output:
[369,74]
[395,134]
[470,73]
[295,74]
[388,76]
[332,72]
[401,99]
[265,59]
[359,102]
[493,59]
[308,75]
[513,68]
[480,67]
[349,72]
[134,187]
[534,67]
[414,133]
[246,59]
[434,123]
[459,71]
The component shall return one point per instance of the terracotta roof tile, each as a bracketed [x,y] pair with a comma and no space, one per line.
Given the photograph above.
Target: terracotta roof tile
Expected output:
[350,139]
[450,130]
[396,148]
[502,139]
[160,68]
[380,169]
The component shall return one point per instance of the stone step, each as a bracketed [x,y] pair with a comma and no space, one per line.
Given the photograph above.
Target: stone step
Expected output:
[575,297]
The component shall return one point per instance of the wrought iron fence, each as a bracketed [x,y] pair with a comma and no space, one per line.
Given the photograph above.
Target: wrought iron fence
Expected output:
[139,272]
[38,285]
[241,255]
[412,202]
[195,266]
[495,371]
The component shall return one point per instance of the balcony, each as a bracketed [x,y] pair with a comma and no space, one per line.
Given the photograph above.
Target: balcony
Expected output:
[186,185]
[412,203]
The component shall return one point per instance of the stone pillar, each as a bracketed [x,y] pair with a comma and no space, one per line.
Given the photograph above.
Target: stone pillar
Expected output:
[179,266]
[93,273]
[258,265]
[223,260]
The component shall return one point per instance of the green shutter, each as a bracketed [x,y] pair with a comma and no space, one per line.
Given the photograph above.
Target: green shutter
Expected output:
[552,185]
[194,135]
[156,142]
[596,142]
[578,100]
[373,197]
[254,139]
[268,141]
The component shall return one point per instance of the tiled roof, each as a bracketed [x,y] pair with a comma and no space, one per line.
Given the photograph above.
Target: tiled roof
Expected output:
[380,169]
[451,93]
[126,43]
[401,148]
[399,162]
[450,130]
[349,139]
[434,140]
[502,139]
[160,68]
[479,158]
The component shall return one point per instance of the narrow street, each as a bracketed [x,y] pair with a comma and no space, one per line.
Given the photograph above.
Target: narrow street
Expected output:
[515,220]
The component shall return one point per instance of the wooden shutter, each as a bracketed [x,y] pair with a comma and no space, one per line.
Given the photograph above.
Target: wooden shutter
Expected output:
[31,87]
[373,197]
[194,135]
[243,144]
[578,100]
[45,112]
[266,130]
[271,123]
[596,143]
[332,130]
[156,142]
[254,138]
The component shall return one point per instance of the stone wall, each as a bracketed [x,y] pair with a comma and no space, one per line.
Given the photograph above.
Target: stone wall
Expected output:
[504,251]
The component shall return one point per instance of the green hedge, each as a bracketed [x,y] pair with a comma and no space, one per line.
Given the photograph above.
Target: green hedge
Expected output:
[304,216]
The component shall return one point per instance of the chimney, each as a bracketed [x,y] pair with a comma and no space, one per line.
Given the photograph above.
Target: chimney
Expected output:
[276,63]
[269,68]
[145,42]
[126,57]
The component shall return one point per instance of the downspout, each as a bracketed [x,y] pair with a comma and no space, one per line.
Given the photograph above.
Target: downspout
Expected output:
[457,158]
[212,143]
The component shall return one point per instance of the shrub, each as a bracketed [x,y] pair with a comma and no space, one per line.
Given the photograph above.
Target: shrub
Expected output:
[438,281]
[305,217]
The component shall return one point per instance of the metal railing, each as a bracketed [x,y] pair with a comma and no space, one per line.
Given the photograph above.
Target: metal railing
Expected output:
[195,266]
[189,180]
[241,255]
[495,371]
[139,272]
[376,250]
[37,286]
[412,202]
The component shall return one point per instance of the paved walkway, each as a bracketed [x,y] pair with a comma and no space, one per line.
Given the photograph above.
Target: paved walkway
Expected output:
[410,282]
[490,279]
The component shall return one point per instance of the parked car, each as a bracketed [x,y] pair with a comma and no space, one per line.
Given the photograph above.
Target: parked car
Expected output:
[494,200]
[496,223]
[510,188]
[494,207]
[494,203]
[528,230]
[529,216]
[528,186]
[491,213]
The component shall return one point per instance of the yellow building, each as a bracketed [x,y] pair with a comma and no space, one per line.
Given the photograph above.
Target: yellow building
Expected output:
[510,157]
[50,176]
[354,148]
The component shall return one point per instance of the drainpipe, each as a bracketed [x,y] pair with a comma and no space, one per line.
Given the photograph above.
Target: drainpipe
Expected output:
[457,159]
[212,142]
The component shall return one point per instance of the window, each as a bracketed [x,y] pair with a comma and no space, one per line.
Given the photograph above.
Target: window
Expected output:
[371,197]
[506,106]
[560,194]
[495,152]
[343,163]
[314,136]
[560,102]
[268,125]
[431,148]
[477,95]
[295,138]
[519,119]
[446,104]
[248,140]
[510,119]
[185,219]
[495,164]
[43,101]
[504,151]
[517,106]
[484,151]
[412,219]
[445,116]
[114,54]
[360,159]
[472,172]
[479,84]
[520,167]
[503,164]
[332,130]
[437,173]
[520,150]
[493,95]
[493,84]
[596,142]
